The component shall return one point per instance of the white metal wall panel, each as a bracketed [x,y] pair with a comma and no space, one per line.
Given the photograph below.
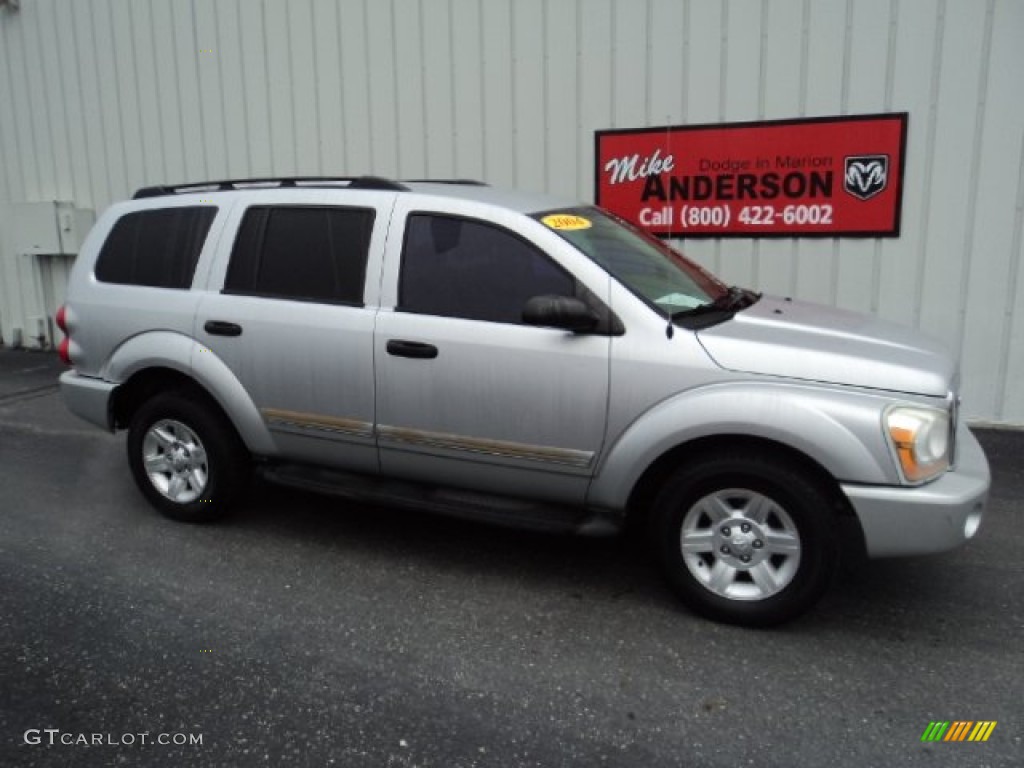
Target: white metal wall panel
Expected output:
[468,90]
[825,71]
[561,86]
[437,93]
[383,89]
[912,87]
[410,91]
[593,94]
[234,107]
[778,84]
[740,60]
[864,54]
[993,331]
[351,84]
[499,114]
[102,96]
[667,49]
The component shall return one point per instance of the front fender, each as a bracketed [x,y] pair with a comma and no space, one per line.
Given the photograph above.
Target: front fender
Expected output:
[166,349]
[840,430]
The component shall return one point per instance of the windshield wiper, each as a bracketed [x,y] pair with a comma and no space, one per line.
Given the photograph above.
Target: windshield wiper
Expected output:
[733,300]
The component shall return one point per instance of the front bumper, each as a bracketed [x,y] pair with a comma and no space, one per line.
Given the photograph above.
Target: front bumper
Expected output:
[88,398]
[936,517]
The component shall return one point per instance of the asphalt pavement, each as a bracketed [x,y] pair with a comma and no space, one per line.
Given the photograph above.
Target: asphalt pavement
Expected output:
[307,631]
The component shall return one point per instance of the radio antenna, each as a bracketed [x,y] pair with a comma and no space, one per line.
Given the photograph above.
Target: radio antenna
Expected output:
[670,329]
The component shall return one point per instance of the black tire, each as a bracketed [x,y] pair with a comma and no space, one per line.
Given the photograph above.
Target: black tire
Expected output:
[745,505]
[185,437]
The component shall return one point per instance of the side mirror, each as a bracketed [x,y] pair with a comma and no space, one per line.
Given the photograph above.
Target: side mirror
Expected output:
[564,312]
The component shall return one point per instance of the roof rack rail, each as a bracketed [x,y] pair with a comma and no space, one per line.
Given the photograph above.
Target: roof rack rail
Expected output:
[466,182]
[377,182]
[352,182]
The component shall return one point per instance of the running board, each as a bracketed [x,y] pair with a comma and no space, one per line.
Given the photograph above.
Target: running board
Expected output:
[454,502]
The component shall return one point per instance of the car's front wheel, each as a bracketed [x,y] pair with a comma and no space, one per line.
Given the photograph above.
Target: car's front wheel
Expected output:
[745,539]
[185,458]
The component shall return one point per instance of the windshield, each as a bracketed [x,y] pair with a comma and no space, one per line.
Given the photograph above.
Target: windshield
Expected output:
[651,269]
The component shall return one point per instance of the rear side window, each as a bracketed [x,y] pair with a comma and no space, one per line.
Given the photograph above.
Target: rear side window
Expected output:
[464,268]
[158,248]
[302,253]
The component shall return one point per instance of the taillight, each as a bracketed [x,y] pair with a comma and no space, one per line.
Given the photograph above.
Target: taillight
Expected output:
[64,350]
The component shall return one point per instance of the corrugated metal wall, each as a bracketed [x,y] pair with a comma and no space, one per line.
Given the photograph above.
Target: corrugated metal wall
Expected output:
[102,96]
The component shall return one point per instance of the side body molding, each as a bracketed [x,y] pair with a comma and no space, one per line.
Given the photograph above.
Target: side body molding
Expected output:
[166,349]
[840,430]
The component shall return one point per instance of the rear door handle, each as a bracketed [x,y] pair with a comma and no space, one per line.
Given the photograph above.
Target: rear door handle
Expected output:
[221,328]
[416,349]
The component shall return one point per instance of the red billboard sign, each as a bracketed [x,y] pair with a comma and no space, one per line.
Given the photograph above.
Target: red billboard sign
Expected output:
[813,177]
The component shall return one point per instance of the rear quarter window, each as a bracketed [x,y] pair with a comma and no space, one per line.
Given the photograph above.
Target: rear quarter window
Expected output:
[157,248]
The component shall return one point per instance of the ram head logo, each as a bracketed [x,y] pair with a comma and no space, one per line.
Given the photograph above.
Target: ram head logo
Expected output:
[866,175]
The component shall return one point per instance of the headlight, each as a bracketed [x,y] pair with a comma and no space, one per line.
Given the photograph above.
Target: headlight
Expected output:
[921,439]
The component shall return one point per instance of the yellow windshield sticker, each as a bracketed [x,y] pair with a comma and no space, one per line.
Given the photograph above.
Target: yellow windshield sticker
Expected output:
[566,221]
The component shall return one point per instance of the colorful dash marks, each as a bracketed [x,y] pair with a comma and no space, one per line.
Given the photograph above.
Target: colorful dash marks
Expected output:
[958,730]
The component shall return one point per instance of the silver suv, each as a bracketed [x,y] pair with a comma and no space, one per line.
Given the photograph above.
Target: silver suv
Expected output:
[516,358]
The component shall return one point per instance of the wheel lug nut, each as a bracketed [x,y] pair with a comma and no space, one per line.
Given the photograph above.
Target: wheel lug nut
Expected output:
[725,550]
[745,558]
[758,543]
[745,527]
[726,531]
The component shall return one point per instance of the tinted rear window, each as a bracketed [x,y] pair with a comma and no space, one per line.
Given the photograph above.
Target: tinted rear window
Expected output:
[301,252]
[158,248]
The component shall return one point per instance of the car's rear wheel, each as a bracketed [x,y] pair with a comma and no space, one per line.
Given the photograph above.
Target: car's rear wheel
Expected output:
[185,458]
[745,539]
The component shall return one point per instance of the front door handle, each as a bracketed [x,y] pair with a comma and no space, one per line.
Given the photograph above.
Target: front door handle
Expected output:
[221,328]
[415,349]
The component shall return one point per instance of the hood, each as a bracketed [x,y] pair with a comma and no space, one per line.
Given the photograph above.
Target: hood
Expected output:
[800,340]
